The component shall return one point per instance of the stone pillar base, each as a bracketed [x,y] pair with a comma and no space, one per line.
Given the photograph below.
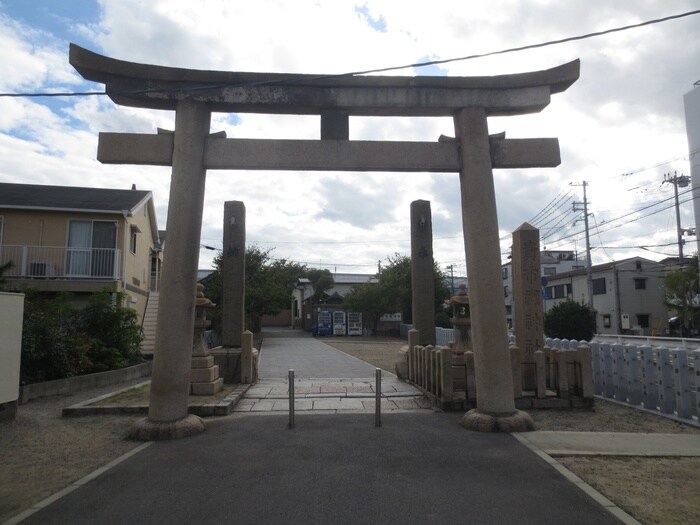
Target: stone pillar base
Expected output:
[147,430]
[517,421]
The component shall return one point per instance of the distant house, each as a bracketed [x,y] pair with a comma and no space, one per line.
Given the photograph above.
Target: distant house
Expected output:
[552,263]
[628,295]
[80,240]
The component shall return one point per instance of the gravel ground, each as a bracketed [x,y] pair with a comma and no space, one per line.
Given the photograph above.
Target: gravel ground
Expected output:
[41,452]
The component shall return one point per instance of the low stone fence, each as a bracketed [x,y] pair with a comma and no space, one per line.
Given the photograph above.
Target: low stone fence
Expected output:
[658,379]
[559,376]
[71,385]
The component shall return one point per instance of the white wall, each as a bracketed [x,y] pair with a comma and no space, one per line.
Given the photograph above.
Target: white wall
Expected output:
[12,308]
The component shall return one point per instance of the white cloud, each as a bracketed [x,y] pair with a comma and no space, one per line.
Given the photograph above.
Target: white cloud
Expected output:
[625,113]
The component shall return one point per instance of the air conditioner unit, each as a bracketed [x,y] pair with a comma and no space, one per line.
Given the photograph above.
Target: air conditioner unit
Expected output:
[41,269]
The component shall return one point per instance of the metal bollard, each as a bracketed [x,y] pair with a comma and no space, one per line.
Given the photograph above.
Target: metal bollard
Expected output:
[378,405]
[291,398]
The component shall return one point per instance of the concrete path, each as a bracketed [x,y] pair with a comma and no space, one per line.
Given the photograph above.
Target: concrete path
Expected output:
[310,357]
[326,380]
[417,468]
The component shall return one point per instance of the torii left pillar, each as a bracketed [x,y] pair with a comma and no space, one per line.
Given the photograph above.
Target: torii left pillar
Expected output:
[168,416]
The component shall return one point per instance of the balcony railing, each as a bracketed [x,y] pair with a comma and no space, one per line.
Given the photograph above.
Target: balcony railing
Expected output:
[59,262]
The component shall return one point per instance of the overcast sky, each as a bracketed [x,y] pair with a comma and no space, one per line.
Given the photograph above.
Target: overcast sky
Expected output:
[621,126]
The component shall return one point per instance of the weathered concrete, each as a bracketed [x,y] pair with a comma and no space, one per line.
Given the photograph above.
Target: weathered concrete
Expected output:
[143,85]
[468,99]
[315,155]
[71,385]
[247,374]
[527,295]
[422,277]
[173,348]
[233,275]
[494,382]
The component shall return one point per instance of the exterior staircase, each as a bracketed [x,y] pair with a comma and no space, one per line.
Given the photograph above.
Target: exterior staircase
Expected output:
[150,318]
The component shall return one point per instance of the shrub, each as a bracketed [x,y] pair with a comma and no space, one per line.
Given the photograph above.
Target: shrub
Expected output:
[59,341]
[51,348]
[570,320]
[113,330]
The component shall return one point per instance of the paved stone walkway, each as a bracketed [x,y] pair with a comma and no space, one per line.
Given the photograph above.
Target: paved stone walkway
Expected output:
[326,380]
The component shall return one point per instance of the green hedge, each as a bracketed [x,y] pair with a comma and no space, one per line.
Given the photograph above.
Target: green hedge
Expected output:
[59,340]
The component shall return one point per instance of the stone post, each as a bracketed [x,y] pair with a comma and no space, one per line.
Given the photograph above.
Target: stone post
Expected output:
[170,383]
[233,271]
[541,374]
[422,280]
[527,295]
[247,357]
[413,338]
[494,384]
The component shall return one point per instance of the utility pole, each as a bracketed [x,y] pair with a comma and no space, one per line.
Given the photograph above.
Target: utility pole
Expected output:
[452,277]
[682,181]
[589,275]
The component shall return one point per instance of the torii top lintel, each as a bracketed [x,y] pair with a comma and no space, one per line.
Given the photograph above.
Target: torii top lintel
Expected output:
[159,87]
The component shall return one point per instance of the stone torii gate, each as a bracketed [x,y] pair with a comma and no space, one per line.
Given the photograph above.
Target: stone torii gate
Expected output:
[191,150]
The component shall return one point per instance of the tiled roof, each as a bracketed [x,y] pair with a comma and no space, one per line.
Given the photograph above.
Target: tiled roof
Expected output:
[34,196]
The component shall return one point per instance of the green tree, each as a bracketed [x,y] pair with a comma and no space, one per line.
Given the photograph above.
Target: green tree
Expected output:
[681,294]
[321,280]
[393,293]
[370,299]
[570,320]
[268,286]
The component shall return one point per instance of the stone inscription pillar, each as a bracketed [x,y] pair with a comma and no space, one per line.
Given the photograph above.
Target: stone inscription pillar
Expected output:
[422,280]
[170,384]
[527,294]
[233,267]
[494,384]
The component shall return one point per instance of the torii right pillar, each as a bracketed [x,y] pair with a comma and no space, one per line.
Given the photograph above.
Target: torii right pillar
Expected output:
[495,411]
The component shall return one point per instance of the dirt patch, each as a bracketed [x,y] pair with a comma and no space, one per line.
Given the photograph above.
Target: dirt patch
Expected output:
[42,452]
[380,354]
[653,490]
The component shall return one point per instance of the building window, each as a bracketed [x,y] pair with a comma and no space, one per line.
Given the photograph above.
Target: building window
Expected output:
[640,283]
[132,241]
[549,270]
[91,249]
[638,265]
[558,291]
[504,271]
[599,286]
[643,320]
[505,291]
[607,322]
[509,309]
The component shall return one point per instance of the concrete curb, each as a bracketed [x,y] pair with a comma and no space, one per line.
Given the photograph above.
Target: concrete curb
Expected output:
[582,485]
[88,408]
[75,384]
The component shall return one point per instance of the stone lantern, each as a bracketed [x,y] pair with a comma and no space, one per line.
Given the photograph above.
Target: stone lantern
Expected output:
[204,374]
[201,323]
[461,318]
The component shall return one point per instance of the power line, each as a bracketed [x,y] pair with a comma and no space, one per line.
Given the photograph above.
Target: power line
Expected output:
[615,226]
[370,71]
